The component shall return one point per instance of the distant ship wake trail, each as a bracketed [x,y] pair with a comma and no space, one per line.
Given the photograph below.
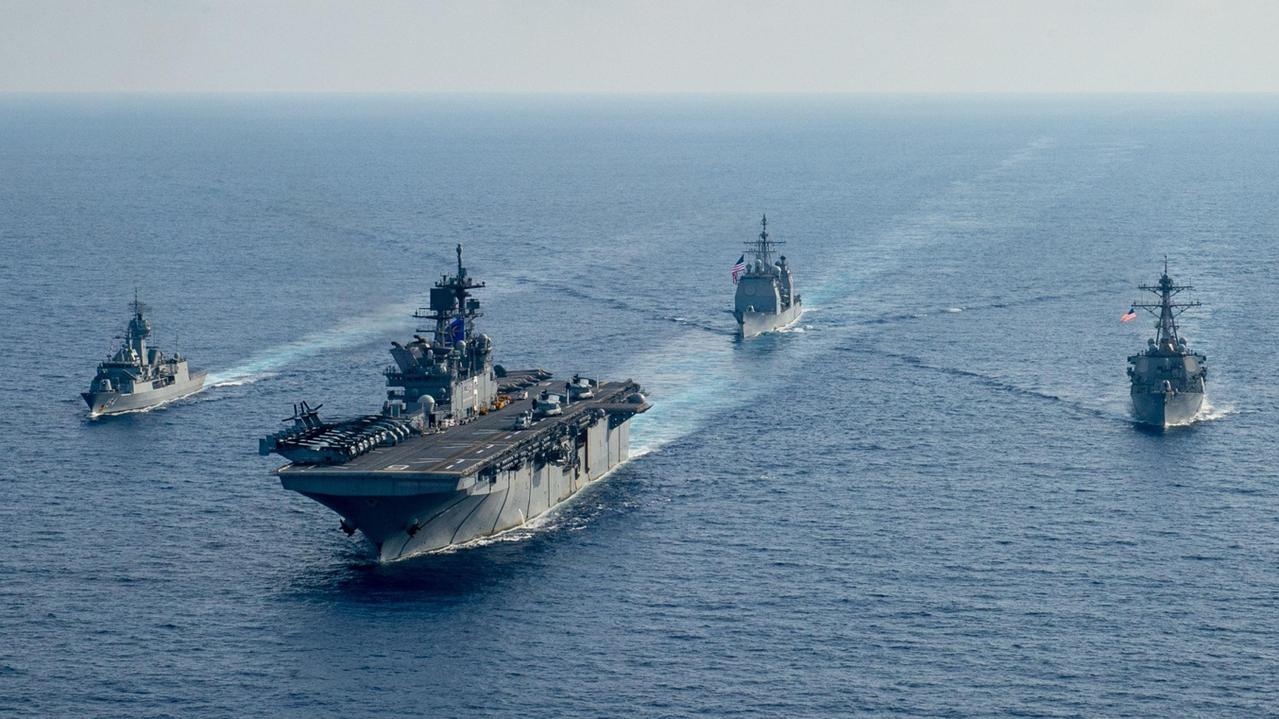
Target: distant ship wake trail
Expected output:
[350,333]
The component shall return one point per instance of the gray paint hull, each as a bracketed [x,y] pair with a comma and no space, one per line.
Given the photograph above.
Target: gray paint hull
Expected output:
[750,324]
[1165,409]
[402,518]
[109,403]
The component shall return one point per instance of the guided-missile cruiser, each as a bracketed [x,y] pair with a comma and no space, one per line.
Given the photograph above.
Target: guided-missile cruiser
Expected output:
[766,298]
[462,448]
[137,376]
[1167,378]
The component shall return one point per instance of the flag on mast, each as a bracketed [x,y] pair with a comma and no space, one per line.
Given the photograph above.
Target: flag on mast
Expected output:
[1130,315]
[739,268]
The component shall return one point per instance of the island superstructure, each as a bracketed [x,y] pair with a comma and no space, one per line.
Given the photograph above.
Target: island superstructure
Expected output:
[1168,380]
[137,376]
[766,298]
[462,448]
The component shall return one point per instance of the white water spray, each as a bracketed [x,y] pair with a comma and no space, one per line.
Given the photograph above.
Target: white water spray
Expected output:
[381,323]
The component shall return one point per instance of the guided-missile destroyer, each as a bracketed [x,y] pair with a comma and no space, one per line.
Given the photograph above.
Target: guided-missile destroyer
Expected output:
[1167,379]
[766,298]
[462,448]
[136,376]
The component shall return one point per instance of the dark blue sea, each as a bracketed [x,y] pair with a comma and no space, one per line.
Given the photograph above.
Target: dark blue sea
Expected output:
[926,499]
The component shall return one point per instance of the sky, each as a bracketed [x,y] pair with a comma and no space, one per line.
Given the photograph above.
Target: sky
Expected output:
[604,46]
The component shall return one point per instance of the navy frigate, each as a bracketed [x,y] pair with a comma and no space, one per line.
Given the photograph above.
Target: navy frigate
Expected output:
[1168,379]
[766,298]
[462,448]
[137,376]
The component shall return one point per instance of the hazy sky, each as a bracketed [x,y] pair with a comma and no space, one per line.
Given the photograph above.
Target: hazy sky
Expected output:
[603,46]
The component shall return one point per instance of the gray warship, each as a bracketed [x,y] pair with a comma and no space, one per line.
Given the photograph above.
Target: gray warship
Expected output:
[137,376]
[766,298]
[462,448]
[1167,378]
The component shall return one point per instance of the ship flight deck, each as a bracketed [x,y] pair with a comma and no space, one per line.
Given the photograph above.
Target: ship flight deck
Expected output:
[466,449]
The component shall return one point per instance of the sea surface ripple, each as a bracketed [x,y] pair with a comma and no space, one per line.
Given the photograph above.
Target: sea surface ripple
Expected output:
[926,499]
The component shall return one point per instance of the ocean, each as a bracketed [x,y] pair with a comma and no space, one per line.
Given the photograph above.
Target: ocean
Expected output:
[925,499]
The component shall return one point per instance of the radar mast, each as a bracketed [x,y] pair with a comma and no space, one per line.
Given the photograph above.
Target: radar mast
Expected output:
[1166,311]
[764,247]
[451,306]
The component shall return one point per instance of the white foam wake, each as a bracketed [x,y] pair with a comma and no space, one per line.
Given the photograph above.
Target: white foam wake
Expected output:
[1209,412]
[694,378]
[349,333]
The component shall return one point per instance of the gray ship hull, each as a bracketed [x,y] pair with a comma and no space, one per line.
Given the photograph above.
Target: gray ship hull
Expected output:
[750,324]
[112,402]
[1166,409]
[417,514]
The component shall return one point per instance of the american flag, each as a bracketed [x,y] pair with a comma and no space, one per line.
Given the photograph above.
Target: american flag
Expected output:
[739,268]
[1130,315]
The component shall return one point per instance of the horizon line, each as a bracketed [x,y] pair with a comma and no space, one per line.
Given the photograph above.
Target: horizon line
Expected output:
[662,93]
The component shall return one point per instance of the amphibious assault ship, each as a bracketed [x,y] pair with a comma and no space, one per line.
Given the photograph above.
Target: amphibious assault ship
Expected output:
[138,377]
[462,448]
[766,298]
[1167,378]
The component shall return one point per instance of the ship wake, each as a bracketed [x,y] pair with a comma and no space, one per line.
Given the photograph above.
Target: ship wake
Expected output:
[350,333]
[1208,412]
[695,378]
